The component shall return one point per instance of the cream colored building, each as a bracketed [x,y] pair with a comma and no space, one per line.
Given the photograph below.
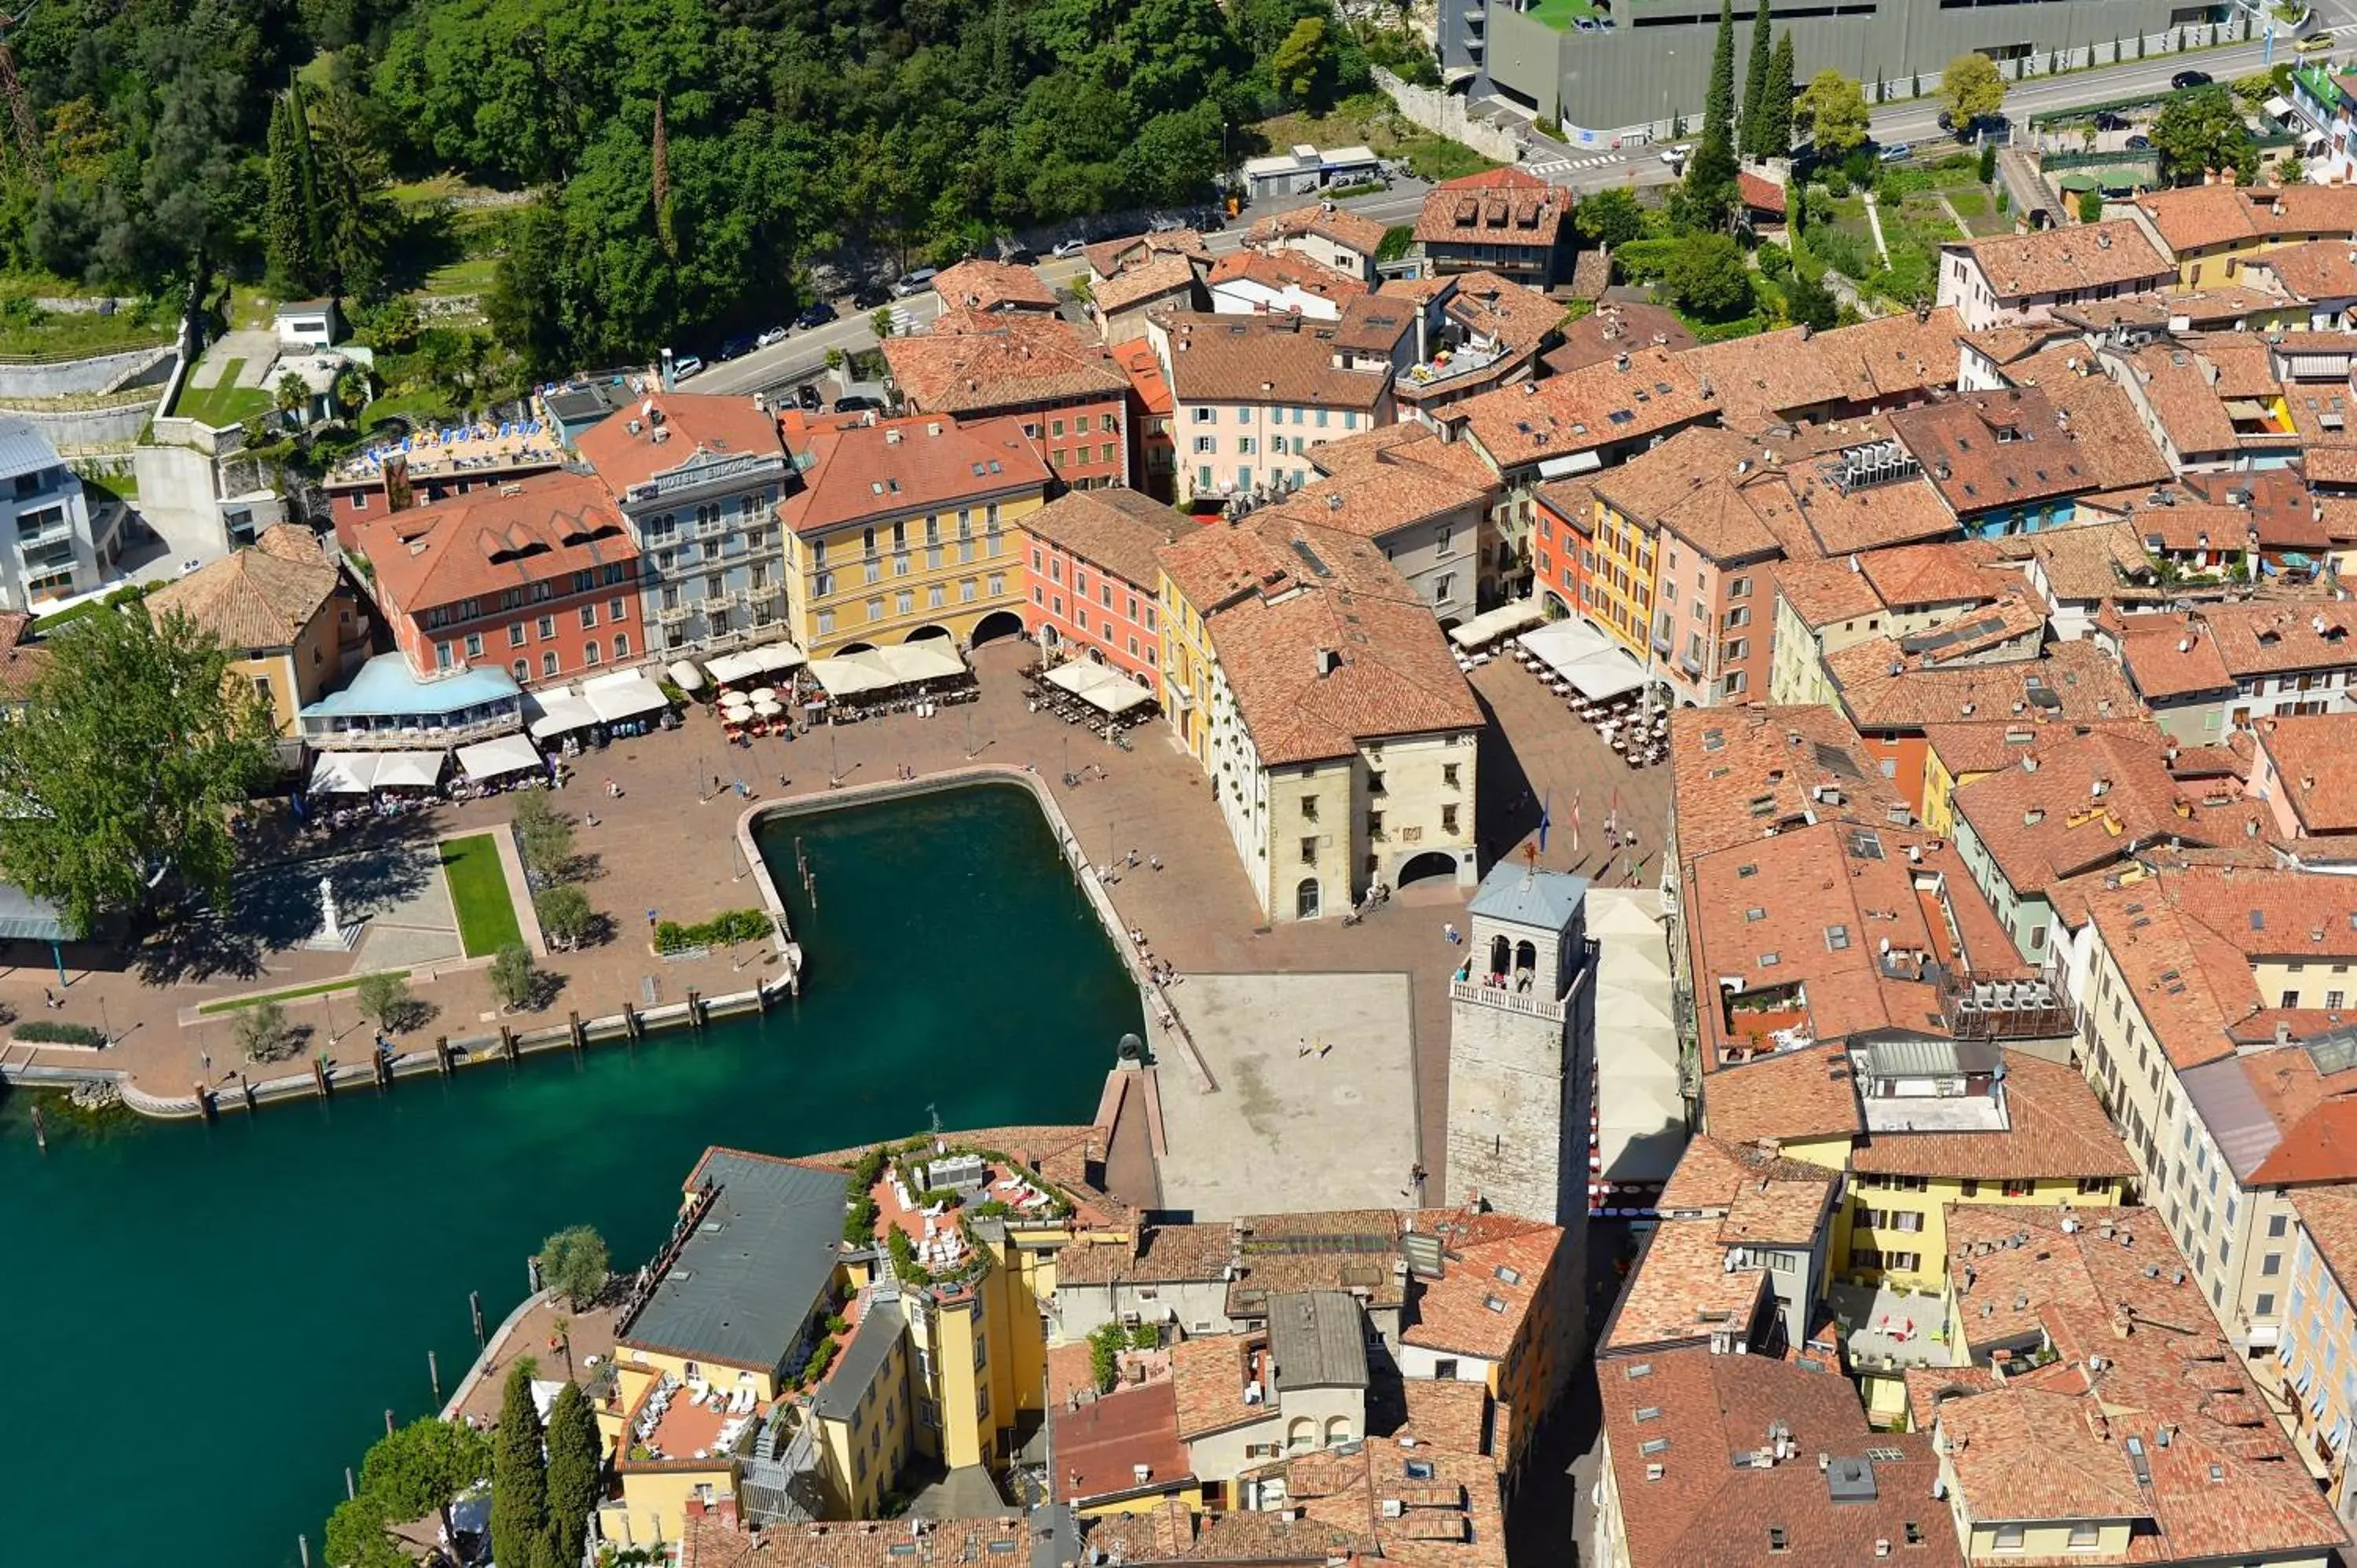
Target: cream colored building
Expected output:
[291,626]
[1314,687]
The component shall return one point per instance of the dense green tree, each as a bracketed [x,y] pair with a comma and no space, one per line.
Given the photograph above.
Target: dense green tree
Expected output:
[1834,111]
[1776,100]
[514,980]
[1610,217]
[573,1262]
[519,1475]
[1811,304]
[2200,130]
[1762,67]
[1302,66]
[358,1536]
[1972,89]
[565,915]
[417,1469]
[292,236]
[1708,278]
[573,1466]
[116,784]
[1710,174]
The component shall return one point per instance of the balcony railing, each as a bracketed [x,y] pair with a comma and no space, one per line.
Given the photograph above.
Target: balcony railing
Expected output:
[1509,999]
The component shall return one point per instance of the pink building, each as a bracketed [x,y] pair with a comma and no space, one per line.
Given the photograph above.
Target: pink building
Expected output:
[1094,574]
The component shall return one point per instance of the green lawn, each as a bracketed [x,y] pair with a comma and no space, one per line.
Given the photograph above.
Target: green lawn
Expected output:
[225,403]
[479,892]
[1561,13]
[468,274]
[350,981]
[427,407]
[1370,119]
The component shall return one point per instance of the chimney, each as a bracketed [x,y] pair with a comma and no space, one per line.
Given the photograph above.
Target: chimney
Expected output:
[891,439]
[1329,660]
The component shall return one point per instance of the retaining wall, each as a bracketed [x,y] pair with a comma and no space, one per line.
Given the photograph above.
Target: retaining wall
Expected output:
[80,378]
[1445,112]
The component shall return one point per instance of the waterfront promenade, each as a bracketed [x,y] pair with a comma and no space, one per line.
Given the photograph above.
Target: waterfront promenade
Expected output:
[663,846]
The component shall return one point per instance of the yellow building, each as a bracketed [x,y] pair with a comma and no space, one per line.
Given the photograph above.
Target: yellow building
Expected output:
[907,529]
[290,625]
[796,1364]
[1620,588]
[2211,231]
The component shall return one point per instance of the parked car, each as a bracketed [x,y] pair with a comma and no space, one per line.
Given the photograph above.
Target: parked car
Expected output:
[1064,248]
[1014,251]
[735,348]
[818,313]
[871,295]
[915,283]
[772,335]
[2185,79]
[806,396]
[684,366]
[1675,156]
[2107,120]
[2314,44]
[1165,226]
[2140,143]
[854,403]
[1896,153]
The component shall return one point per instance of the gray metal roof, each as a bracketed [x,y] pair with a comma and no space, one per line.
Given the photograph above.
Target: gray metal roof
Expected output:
[1548,899]
[2243,1130]
[871,1344]
[23,449]
[743,1285]
[24,917]
[1319,1339]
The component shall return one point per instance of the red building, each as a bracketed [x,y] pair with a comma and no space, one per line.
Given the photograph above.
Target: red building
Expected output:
[426,468]
[1072,399]
[1094,569]
[1153,448]
[1562,544]
[539,578]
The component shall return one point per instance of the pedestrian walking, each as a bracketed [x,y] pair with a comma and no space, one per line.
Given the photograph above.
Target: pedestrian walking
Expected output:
[207,1058]
[1448,929]
[1154,861]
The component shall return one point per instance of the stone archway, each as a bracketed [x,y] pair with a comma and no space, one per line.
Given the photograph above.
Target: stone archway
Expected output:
[1431,865]
[929,633]
[995,624]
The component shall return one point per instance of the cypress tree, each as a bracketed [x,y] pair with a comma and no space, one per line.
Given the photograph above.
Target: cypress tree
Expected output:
[573,1464]
[1776,102]
[1710,178]
[292,259]
[1754,88]
[519,1475]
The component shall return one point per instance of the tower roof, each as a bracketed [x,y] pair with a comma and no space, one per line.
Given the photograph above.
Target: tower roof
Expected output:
[1524,894]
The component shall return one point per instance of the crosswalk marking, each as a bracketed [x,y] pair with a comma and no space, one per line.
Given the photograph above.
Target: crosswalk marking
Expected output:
[1565,166]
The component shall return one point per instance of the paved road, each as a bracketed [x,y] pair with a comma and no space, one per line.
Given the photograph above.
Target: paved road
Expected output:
[803,355]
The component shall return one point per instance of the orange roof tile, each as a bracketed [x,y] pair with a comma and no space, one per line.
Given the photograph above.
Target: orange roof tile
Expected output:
[692,426]
[2059,261]
[902,466]
[539,530]
[2055,1130]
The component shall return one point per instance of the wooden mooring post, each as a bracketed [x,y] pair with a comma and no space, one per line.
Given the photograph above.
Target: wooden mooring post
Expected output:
[442,1059]
[207,1107]
[508,1041]
[633,1024]
[319,1077]
[383,1066]
[475,1309]
[580,1032]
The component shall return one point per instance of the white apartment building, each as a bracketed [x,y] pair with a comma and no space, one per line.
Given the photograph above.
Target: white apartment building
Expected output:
[1251,395]
[50,553]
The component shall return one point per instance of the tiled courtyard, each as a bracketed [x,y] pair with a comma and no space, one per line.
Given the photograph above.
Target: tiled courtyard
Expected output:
[666,844]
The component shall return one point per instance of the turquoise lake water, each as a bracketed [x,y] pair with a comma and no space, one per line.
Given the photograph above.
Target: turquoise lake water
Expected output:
[206,1323]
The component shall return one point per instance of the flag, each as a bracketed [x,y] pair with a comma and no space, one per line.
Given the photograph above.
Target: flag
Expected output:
[1547,818]
[1575,822]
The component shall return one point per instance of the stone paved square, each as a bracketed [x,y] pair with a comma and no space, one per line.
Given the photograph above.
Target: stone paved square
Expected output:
[1336,1130]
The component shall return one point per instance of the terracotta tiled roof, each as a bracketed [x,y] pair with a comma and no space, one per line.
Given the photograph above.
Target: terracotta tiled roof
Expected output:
[1970,746]
[1613,327]
[1682,1291]
[1097,1445]
[1439,1508]
[1792,1096]
[1488,305]
[2073,682]
[901,466]
[1143,367]
[1496,1268]
[1323,643]
[1603,404]
[1108,257]
[1778,377]
[2320,1147]
[260,597]
[1985,450]
[2112,446]
[1494,209]
[1738,775]
[692,426]
[2195,218]
[1162,1254]
[1672,1430]
[1388,448]
[540,529]
[1285,269]
[1907,578]
[1348,1250]
[712,1538]
[2059,261]
[2094,562]
[2312,756]
[2190,982]
[1759,193]
[2054,1446]
[1264,359]
[1339,224]
[1163,277]
[1378,498]
[2077,804]
[971,364]
[2189,408]
[992,285]
[1119,531]
[1759,1195]
[2055,1129]
[1446,1414]
[1209,1374]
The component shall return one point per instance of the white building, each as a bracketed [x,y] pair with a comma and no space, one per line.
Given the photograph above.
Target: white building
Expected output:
[51,555]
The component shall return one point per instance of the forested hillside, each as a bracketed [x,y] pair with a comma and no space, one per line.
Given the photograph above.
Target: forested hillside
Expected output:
[685,155]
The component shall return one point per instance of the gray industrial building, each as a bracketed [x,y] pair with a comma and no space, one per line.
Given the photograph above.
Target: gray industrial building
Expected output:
[1623,68]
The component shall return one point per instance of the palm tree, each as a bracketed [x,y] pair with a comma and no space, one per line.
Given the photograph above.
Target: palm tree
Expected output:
[294,396]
